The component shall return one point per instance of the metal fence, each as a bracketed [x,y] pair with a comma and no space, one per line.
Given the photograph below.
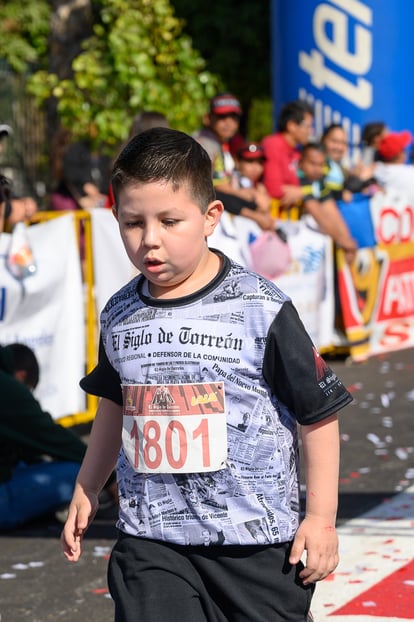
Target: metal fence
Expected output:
[23,155]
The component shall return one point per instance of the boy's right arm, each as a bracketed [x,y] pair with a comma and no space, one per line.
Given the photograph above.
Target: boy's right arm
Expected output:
[99,462]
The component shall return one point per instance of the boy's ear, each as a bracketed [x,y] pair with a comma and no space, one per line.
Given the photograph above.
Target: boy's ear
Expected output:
[212,216]
[20,374]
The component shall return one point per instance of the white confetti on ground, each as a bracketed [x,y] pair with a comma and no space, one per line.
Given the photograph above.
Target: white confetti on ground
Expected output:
[20,566]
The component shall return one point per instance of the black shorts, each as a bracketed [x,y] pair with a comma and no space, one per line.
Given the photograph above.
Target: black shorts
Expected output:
[151,581]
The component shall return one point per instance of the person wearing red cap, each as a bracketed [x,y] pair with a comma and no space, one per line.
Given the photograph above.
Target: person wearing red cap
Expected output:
[248,174]
[393,171]
[250,164]
[220,125]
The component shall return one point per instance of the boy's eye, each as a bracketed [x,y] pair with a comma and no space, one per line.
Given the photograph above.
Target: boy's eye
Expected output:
[169,222]
[133,223]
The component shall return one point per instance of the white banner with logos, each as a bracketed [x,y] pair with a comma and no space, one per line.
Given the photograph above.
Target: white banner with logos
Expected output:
[377,292]
[112,268]
[46,312]
[308,278]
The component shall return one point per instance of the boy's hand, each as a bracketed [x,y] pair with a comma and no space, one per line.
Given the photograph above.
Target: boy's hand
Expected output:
[318,537]
[82,509]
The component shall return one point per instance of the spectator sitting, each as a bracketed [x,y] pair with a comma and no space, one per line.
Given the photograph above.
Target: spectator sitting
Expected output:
[250,160]
[220,126]
[5,201]
[144,120]
[82,177]
[248,174]
[393,170]
[19,208]
[342,182]
[372,134]
[39,459]
[318,201]
[282,152]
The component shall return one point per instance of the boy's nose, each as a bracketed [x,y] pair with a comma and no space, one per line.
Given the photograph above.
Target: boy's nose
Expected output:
[150,236]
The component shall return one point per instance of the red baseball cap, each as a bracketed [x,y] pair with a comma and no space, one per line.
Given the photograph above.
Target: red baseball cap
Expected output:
[393,143]
[225,103]
[251,151]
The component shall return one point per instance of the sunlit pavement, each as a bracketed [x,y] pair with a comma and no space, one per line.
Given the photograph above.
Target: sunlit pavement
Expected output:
[375,578]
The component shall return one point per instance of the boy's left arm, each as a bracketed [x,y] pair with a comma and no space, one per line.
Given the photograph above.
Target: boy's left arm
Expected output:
[316,533]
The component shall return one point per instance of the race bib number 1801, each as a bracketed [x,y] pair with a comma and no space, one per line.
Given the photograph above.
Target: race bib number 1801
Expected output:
[178,428]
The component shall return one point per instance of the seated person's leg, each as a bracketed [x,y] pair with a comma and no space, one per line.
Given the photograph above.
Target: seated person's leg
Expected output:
[34,490]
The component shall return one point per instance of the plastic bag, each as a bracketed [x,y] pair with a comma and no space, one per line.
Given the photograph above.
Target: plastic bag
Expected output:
[270,254]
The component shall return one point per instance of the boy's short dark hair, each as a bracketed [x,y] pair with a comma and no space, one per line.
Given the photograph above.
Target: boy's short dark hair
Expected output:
[164,154]
[312,147]
[293,111]
[24,359]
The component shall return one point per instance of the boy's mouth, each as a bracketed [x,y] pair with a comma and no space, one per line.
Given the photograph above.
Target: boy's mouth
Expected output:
[152,261]
[152,264]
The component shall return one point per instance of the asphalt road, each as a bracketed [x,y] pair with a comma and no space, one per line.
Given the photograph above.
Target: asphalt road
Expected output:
[38,585]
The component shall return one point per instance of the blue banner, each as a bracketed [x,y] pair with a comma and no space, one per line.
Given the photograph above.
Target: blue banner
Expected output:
[352,60]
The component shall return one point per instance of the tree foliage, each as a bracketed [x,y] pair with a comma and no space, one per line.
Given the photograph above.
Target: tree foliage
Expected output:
[24,29]
[137,58]
[138,55]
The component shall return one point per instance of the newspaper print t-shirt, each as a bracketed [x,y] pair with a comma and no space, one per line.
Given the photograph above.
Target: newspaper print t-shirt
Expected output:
[228,334]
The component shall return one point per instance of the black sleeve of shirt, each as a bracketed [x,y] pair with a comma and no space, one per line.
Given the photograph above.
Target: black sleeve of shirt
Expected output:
[103,380]
[234,204]
[296,372]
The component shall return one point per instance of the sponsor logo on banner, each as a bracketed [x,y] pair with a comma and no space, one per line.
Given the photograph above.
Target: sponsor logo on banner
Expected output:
[377,292]
[338,56]
[332,65]
[335,51]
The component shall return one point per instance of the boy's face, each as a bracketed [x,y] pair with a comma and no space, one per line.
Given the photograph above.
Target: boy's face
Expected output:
[164,234]
[312,164]
[252,169]
[225,125]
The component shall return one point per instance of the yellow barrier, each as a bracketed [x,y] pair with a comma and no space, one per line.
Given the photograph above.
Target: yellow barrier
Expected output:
[83,227]
[282,213]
